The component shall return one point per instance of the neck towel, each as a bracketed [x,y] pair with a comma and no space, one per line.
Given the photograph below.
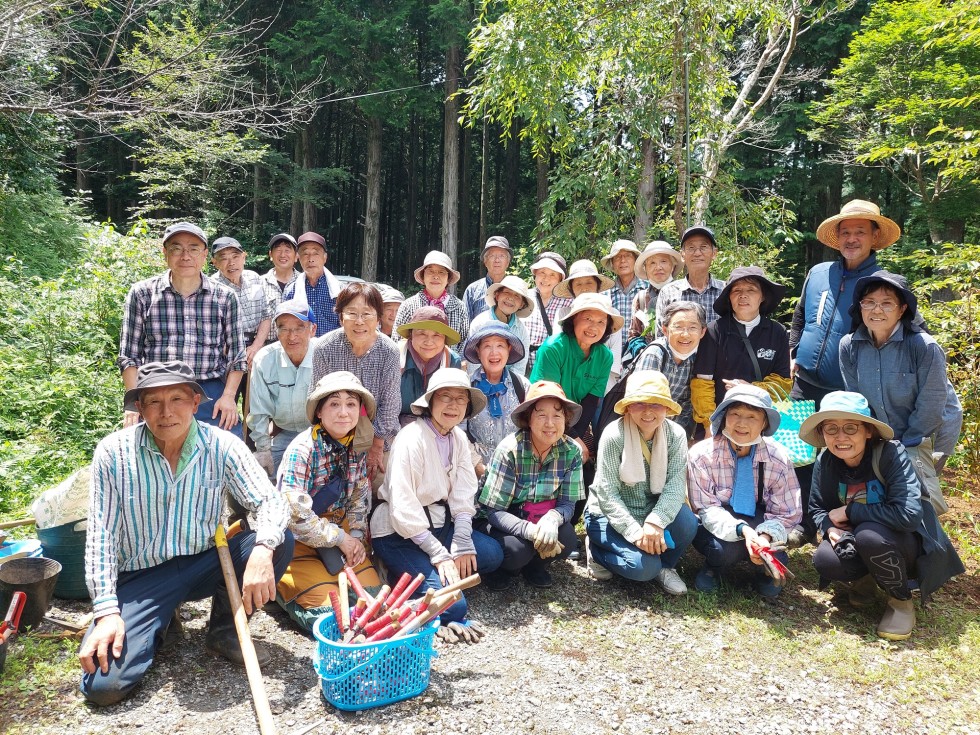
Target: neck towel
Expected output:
[492,391]
[635,454]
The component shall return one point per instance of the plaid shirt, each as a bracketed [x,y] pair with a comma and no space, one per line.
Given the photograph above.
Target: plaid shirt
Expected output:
[681,290]
[536,330]
[622,301]
[142,514]
[320,300]
[307,466]
[253,300]
[516,476]
[203,329]
[273,293]
[475,297]
[454,310]
[711,477]
[660,358]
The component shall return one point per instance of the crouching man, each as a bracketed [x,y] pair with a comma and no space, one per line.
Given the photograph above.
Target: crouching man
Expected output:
[156,500]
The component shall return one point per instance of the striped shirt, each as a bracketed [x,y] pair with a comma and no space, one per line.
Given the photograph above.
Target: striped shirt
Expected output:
[681,290]
[454,309]
[515,475]
[622,301]
[537,332]
[475,297]
[203,329]
[142,514]
[378,370]
[252,298]
[306,468]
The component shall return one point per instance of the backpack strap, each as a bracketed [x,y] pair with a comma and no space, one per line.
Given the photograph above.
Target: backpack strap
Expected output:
[740,328]
[762,483]
[518,386]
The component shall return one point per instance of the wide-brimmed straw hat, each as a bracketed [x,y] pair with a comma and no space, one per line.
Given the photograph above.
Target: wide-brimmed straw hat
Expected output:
[620,246]
[750,395]
[437,257]
[882,278]
[471,353]
[543,389]
[842,405]
[859,209]
[551,260]
[581,269]
[772,292]
[430,317]
[657,247]
[516,285]
[599,302]
[647,386]
[337,381]
[450,378]
[158,375]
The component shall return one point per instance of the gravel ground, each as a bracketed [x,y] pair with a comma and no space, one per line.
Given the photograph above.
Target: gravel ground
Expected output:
[583,657]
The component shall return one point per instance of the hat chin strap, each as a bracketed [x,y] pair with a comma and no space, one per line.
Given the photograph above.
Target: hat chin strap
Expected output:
[757,440]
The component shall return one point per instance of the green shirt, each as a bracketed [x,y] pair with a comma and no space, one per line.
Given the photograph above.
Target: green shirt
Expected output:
[627,507]
[561,360]
[516,476]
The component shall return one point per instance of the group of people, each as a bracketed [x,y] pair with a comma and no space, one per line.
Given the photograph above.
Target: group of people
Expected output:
[449,436]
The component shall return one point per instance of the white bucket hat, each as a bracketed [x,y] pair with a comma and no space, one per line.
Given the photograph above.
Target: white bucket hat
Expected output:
[516,285]
[581,269]
[620,246]
[437,257]
[599,302]
[657,247]
[450,378]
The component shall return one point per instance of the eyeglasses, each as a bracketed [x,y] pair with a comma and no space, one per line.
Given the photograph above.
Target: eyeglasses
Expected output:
[450,400]
[697,248]
[683,330]
[886,306]
[834,429]
[185,250]
[290,331]
[356,316]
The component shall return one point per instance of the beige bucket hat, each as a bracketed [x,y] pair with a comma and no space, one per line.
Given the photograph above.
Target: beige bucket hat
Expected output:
[599,302]
[516,285]
[581,269]
[333,382]
[437,257]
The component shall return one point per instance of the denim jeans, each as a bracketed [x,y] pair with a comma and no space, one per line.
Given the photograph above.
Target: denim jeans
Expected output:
[611,549]
[148,599]
[280,442]
[213,389]
[403,556]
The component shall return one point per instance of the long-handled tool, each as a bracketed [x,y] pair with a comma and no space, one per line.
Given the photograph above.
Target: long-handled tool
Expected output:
[10,622]
[260,699]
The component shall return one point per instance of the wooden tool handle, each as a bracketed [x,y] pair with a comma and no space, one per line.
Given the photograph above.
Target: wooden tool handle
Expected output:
[464,584]
[344,602]
[15,524]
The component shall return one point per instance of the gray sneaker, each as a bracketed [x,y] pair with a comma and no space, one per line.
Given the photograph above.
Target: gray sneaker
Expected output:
[595,568]
[670,582]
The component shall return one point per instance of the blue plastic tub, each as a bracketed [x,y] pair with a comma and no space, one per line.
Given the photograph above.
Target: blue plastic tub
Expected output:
[371,674]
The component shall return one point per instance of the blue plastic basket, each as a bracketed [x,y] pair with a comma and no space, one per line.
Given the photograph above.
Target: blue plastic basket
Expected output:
[367,675]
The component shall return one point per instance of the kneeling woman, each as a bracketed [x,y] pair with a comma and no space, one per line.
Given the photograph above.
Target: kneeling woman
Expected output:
[533,482]
[636,521]
[742,486]
[326,484]
[424,522]
[867,500]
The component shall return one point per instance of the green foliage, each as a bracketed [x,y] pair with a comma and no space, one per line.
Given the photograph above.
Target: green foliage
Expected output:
[40,230]
[60,390]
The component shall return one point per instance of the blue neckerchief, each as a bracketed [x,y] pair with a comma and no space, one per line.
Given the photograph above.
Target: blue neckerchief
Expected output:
[743,489]
[492,391]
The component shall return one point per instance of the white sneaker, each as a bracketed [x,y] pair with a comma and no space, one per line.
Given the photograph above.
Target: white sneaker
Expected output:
[671,583]
[595,568]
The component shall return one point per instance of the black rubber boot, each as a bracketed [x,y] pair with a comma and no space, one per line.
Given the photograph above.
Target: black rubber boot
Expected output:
[222,639]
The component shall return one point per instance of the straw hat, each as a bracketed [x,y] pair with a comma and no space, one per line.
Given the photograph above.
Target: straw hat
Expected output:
[841,404]
[750,395]
[859,209]
[158,375]
[599,302]
[657,247]
[450,378]
[337,381]
[543,389]
[772,292]
[581,269]
[430,317]
[516,285]
[620,246]
[647,386]
[471,353]
[437,257]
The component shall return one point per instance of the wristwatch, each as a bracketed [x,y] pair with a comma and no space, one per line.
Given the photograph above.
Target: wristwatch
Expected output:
[358,534]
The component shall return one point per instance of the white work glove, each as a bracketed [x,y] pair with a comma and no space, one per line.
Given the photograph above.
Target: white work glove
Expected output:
[546,552]
[264,458]
[546,534]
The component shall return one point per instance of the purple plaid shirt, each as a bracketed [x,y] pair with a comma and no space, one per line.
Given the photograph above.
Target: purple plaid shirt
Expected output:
[203,329]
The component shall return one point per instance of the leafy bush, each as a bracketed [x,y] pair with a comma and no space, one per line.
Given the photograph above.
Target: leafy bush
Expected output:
[60,391]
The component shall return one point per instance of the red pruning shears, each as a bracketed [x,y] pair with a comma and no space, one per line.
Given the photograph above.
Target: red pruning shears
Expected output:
[775,568]
[9,625]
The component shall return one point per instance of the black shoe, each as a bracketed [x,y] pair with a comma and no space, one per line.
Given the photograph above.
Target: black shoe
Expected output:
[222,638]
[498,581]
[174,632]
[537,575]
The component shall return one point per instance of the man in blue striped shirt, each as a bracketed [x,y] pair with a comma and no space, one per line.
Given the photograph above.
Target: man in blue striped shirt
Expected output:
[157,497]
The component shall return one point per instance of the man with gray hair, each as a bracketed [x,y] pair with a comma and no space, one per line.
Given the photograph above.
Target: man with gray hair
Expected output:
[496,258]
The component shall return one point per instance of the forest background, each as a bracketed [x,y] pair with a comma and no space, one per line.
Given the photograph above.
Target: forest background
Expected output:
[397,127]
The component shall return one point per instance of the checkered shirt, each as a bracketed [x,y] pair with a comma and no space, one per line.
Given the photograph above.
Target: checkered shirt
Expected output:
[252,298]
[516,476]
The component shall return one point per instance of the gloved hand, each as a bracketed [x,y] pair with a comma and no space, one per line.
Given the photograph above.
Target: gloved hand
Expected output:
[264,458]
[469,631]
[546,552]
[546,534]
